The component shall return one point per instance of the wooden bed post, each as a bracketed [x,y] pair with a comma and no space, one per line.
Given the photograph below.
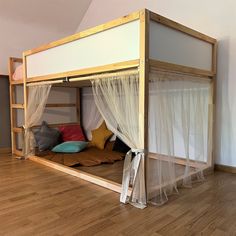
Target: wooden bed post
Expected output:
[25,96]
[143,84]
[12,101]
[78,106]
[213,119]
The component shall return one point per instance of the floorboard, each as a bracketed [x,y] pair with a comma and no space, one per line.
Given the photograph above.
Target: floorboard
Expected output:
[37,200]
[112,172]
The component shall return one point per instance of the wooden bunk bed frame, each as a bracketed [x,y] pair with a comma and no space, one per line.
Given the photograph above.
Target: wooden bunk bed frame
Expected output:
[144,63]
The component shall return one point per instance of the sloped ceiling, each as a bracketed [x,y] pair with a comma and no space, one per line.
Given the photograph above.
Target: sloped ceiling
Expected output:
[59,15]
[26,24]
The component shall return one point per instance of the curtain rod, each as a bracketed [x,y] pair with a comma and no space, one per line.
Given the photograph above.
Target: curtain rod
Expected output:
[100,76]
[83,78]
[46,82]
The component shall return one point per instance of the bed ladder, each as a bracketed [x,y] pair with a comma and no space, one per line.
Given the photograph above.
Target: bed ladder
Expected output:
[16,132]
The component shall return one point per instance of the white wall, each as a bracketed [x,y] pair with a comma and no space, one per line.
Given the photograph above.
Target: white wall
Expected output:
[213,17]
[17,37]
[28,24]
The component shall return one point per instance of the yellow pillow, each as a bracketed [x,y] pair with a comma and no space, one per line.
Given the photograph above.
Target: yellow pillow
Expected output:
[100,136]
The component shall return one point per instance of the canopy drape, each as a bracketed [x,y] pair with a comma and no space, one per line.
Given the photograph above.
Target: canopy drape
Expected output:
[37,99]
[91,117]
[179,143]
[179,115]
[118,102]
[179,129]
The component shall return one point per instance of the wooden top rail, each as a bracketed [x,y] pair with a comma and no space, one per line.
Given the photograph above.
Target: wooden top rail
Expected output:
[166,66]
[16,60]
[120,21]
[61,105]
[56,125]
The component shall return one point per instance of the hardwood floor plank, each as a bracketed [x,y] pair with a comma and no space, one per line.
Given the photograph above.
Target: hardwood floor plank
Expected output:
[38,200]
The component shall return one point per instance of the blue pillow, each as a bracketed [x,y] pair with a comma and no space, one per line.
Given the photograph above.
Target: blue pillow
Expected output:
[70,147]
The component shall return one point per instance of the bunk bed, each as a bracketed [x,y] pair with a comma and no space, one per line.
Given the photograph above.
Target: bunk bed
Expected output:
[141,45]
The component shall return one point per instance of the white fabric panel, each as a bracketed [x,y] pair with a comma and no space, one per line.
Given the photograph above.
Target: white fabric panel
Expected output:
[178,127]
[111,46]
[91,117]
[118,101]
[169,45]
[190,98]
[37,100]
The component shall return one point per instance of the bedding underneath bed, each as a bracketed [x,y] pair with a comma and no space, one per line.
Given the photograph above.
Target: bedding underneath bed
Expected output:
[90,156]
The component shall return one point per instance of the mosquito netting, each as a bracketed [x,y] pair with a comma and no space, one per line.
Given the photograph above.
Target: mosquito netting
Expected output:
[37,99]
[179,132]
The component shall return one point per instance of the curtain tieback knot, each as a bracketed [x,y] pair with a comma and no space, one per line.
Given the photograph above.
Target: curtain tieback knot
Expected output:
[137,151]
[26,129]
[130,171]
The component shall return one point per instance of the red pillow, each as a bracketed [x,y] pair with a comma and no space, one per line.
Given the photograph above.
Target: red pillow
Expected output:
[71,133]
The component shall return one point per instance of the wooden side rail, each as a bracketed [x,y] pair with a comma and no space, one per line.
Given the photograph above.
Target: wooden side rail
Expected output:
[16,60]
[179,160]
[109,184]
[56,125]
[61,105]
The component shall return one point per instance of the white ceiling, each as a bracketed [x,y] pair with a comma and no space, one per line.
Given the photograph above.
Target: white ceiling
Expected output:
[58,15]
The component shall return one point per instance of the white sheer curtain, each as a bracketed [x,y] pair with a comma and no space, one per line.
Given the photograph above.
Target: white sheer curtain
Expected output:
[91,117]
[178,132]
[118,103]
[37,99]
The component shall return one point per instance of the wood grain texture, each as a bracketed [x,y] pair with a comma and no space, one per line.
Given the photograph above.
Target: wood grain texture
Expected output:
[37,200]
[224,168]
[17,106]
[13,105]
[166,66]
[78,105]
[109,184]
[113,172]
[144,86]
[61,105]
[6,150]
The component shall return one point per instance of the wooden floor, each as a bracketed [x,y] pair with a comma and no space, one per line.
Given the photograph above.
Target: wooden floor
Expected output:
[37,200]
[112,172]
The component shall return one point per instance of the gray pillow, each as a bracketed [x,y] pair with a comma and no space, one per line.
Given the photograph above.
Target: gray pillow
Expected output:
[46,138]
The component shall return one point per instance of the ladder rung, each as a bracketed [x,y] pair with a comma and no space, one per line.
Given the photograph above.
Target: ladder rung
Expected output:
[17,130]
[17,106]
[16,82]
[16,59]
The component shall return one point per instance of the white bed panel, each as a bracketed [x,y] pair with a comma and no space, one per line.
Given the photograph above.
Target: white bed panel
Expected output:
[111,46]
[169,45]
